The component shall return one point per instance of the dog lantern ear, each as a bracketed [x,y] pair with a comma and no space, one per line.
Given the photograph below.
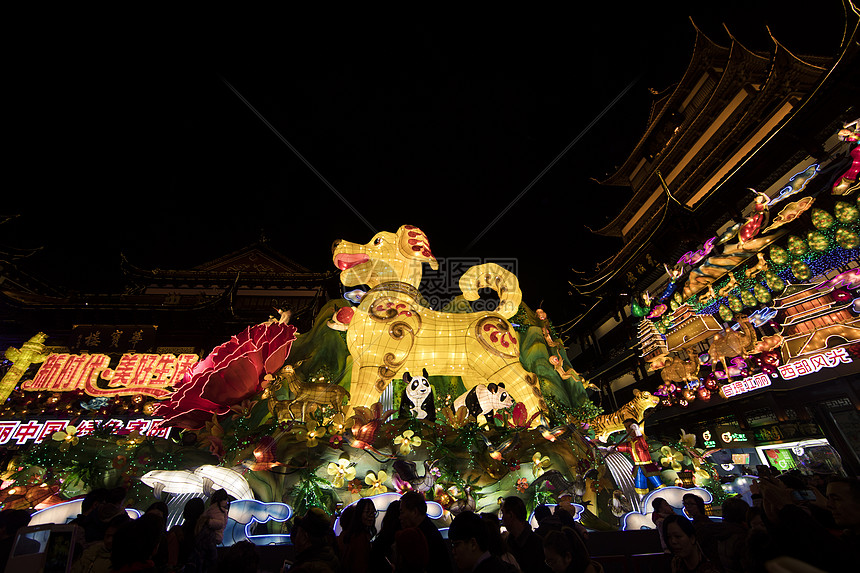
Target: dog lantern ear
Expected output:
[413,243]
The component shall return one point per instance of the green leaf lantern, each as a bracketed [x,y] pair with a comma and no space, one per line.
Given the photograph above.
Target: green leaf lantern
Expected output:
[762,294]
[673,304]
[797,246]
[817,241]
[734,303]
[822,219]
[847,239]
[845,212]
[773,281]
[748,298]
[801,270]
[661,328]
[725,313]
[638,310]
[778,255]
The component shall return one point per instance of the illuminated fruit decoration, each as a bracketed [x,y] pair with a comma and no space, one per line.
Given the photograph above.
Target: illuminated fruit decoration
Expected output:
[734,303]
[773,281]
[797,246]
[725,313]
[847,239]
[778,255]
[673,305]
[801,270]
[822,219]
[661,328]
[704,393]
[817,241]
[666,320]
[748,298]
[678,298]
[711,383]
[845,212]
[761,294]
[689,395]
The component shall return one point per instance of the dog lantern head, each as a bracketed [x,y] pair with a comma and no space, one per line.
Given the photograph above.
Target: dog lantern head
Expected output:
[388,257]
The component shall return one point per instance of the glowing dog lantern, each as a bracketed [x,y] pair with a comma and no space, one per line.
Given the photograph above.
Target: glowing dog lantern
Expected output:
[394,331]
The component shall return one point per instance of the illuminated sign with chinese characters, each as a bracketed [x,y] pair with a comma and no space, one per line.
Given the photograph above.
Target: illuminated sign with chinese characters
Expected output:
[790,371]
[19,432]
[748,384]
[813,364]
[146,374]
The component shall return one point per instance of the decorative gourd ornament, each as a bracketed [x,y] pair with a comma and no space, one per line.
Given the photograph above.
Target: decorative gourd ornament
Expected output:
[847,239]
[734,303]
[762,294]
[845,212]
[778,255]
[817,241]
[773,281]
[748,298]
[801,270]
[822,219]
[797,246]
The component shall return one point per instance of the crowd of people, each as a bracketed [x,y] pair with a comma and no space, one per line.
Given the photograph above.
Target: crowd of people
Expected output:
[785,526]
[792,524]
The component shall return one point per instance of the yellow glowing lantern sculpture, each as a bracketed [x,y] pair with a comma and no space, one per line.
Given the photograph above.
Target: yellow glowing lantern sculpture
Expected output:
[392,331]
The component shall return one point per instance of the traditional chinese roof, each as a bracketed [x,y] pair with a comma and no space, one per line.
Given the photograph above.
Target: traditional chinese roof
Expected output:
[256,263]
[799,293]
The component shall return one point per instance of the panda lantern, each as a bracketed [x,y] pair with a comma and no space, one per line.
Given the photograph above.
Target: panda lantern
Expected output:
[416,401]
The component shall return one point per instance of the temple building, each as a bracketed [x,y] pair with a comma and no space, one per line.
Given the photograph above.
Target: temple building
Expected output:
[743,197]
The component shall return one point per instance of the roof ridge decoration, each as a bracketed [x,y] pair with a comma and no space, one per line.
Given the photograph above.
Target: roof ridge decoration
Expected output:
[779,47]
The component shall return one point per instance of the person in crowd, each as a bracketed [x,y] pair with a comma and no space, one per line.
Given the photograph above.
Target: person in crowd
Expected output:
[241,557]
[87,519]
[843,500]
[680,535]
[731,544]
[413,513]
[661,510]
[565,552]
[355,540]
[180,538]
[161,511]
[470,544]
[410,554]
[523,543]
[496,544]
[97,557]
[381,555]
[546,520]
[707,531]
[209,532]
[313,539]
[134,544]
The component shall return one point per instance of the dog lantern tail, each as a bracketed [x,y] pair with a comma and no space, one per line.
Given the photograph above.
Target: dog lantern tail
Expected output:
[491,275]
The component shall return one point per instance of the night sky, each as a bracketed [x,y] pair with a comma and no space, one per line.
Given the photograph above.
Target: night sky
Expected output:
[137,145]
